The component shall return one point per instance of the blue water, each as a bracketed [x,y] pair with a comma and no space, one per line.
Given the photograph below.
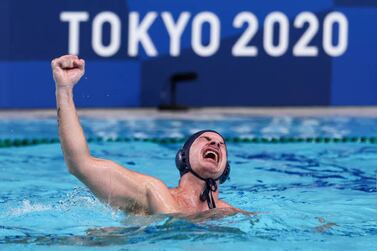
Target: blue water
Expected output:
[311,196]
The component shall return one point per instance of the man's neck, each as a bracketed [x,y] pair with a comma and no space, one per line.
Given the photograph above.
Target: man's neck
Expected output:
[190,188]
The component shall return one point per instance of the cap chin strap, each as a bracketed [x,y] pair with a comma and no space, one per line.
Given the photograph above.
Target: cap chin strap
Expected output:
[209,187]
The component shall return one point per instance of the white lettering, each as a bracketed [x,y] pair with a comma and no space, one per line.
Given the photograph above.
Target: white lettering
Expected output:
[138,33]
[302,47]
[268,36]
[241,47]
[114,45]
[175,30]
[328,23]
[74,18]
[214,38]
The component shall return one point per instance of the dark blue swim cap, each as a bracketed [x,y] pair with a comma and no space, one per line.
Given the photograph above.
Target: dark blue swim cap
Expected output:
[182,162]
[182,158]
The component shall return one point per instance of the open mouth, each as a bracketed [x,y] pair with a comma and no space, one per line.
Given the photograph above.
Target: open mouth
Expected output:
[211,155]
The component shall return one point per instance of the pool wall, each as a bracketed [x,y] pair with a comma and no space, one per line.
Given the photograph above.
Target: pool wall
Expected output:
[336,67]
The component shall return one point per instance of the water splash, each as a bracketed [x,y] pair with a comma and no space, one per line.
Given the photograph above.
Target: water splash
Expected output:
[29,207]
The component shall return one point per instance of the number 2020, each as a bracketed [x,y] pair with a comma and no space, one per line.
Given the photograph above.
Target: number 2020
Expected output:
[302,48]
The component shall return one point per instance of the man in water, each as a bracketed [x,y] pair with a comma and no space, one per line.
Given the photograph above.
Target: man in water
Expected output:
[202,162]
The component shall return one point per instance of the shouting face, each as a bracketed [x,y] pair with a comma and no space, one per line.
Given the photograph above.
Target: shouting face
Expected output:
[208,155]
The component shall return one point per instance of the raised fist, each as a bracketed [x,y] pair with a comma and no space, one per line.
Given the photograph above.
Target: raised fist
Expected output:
[67,70]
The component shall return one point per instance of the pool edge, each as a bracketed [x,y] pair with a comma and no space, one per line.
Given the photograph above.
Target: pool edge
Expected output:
[242,111]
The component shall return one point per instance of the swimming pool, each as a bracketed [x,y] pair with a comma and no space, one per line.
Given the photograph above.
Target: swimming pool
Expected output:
[312,196]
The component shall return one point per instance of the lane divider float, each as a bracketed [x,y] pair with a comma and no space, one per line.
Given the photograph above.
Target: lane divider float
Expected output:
[7,143]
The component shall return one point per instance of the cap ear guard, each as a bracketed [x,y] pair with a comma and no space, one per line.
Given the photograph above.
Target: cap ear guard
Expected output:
[225,176]
[181,162]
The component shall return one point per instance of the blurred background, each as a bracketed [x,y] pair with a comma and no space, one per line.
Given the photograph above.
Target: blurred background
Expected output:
[194,53]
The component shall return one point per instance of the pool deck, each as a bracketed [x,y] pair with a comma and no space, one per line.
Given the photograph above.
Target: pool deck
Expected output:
[199,112]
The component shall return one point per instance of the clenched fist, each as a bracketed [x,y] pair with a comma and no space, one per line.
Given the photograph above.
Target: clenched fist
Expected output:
[67,70]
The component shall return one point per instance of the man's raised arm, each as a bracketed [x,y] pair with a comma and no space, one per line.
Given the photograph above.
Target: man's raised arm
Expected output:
[67,71]
[111,182]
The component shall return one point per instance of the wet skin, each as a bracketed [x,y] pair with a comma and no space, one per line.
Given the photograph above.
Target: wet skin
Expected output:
[118,186]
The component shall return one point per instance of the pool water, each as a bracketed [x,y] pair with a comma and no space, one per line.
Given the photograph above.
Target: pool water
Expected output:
[310,196]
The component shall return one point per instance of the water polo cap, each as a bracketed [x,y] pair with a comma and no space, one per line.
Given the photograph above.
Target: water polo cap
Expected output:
[183,164]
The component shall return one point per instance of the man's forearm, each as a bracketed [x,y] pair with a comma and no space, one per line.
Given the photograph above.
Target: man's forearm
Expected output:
[71,135]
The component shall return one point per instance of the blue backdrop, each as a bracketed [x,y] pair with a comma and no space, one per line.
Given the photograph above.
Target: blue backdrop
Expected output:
[246,53]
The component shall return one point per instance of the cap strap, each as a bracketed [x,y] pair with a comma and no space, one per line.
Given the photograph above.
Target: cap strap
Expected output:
[207,195]
[209,187]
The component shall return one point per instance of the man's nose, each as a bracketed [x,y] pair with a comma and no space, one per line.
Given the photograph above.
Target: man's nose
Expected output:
[216,143]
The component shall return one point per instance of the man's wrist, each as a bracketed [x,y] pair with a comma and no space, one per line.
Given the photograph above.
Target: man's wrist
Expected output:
[63,88]
[60,85]
[62,91]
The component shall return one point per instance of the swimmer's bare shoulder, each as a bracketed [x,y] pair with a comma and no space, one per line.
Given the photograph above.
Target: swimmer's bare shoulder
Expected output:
[126,189]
